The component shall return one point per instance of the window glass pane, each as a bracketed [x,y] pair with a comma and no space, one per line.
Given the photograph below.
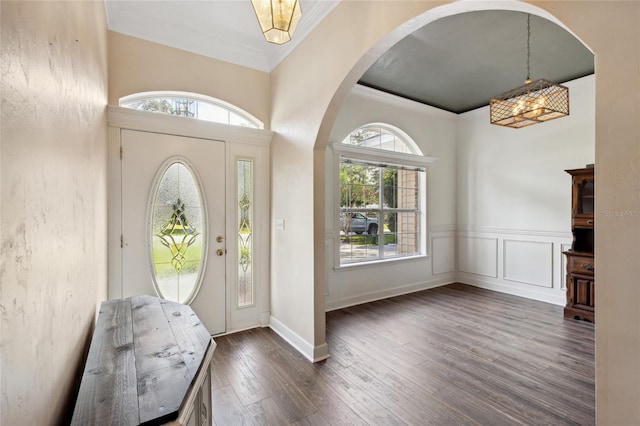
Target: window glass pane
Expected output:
[245,233]
[215,113]
[177,238]
[359,237]
[189,107]
[390,234]
[378,137]
[390,188]
[359,185]
[407,233]
[237,120]
[407,191]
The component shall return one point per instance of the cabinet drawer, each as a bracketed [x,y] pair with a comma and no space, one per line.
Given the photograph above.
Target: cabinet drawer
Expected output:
[583,222]
[581,265]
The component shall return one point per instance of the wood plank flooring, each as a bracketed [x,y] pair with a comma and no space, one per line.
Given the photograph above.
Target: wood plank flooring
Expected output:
[454,355]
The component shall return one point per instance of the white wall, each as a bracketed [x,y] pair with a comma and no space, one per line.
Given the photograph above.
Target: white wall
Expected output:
[514,198]
[53,208]
[434,131]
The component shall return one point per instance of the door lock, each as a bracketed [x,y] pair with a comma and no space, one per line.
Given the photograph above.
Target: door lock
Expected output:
[219,252]
[219,238]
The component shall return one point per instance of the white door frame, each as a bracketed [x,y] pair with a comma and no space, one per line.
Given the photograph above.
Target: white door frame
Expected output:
[241,143]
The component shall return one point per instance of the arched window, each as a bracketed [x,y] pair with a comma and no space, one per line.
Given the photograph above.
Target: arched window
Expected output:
[191,105]
[382,136]
[382,195]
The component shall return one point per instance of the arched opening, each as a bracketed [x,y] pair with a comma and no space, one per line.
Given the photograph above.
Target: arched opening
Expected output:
[327,133]
[407,28]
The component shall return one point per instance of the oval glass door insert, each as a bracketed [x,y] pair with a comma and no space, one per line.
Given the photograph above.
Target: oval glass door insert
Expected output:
[178,237]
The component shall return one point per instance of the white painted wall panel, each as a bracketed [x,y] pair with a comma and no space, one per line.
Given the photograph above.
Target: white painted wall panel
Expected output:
[478,255]
[528,262]
[443,249]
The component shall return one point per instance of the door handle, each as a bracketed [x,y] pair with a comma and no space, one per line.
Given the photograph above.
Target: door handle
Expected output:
[220,252]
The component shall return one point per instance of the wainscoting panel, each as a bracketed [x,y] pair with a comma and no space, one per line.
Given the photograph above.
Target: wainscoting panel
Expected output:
[478,255]
[443,249]
[528,262]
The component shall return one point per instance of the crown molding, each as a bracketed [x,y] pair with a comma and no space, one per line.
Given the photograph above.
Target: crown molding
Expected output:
[400,102]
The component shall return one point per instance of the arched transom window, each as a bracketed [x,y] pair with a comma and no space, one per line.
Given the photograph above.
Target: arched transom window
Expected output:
[384,137]
[191,105]
[381,186]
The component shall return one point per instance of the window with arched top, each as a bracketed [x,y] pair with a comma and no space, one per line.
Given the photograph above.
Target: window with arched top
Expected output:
[191,105]
[381,187]
[384,137]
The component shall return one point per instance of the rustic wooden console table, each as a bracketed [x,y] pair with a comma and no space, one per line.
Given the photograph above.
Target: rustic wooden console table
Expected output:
[149,363]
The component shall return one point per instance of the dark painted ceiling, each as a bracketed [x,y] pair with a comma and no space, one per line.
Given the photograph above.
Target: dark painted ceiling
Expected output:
[459,62]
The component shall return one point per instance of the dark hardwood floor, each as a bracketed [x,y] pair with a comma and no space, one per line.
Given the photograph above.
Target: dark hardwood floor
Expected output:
[454,355]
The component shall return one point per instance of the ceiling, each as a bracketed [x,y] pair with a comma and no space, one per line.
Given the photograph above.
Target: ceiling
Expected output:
[459,62]
[456,63]
[223,29]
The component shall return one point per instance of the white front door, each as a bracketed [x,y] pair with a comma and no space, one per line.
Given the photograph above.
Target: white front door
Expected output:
[171,247]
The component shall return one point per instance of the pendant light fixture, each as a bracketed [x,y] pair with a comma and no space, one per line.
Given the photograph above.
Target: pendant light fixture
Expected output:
[278,19]
[535,102]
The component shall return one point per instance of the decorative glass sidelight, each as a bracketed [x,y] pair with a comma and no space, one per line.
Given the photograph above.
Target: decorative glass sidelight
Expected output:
[245,233]
[177,233]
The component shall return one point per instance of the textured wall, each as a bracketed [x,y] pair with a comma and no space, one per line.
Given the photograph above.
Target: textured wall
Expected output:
[53,206]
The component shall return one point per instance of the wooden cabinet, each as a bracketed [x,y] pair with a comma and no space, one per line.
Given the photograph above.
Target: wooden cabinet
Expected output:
[149,363]
[580,259]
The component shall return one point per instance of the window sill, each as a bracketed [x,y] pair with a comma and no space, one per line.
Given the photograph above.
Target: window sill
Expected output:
[380,262]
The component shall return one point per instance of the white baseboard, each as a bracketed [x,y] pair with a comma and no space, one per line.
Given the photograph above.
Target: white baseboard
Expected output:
[541,295]
[384,294]
[312,353]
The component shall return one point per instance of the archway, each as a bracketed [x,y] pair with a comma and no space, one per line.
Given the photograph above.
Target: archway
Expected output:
[610,30]
[422,19]
[358,69]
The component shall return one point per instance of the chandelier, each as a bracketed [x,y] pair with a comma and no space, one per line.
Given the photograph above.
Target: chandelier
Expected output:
[278,18]
[535,102]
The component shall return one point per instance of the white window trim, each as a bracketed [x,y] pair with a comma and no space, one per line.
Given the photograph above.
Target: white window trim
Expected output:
[342,150]
[382,156]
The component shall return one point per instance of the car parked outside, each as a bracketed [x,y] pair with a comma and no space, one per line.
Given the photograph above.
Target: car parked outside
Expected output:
[360,223]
